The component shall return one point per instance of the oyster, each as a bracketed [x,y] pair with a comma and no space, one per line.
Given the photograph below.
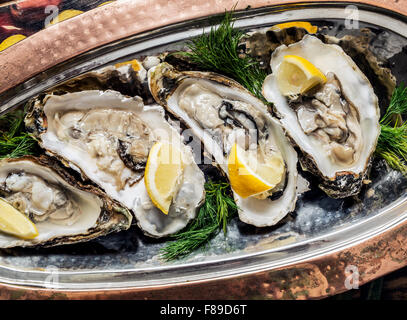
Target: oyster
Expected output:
[259,44]
[220,112]
[361,47]
[335,125]
[128,78]
[63,210]
[107,138]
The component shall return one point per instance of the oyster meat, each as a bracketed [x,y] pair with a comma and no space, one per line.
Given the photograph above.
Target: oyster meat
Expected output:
[63,210]
[220,112]
[336,124]
[107,138]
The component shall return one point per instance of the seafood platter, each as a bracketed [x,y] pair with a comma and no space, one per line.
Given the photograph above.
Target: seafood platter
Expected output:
[258,143]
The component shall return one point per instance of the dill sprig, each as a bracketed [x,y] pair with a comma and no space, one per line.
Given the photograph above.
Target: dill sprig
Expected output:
[397,106]
[213,216]
[218,51]
[392,143]
[14,140]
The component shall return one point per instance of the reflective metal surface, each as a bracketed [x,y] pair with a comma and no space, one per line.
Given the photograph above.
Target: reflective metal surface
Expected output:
[307,256]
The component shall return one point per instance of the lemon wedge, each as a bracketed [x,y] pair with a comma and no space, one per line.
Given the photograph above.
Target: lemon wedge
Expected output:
[163,170]
[11,40]
[65,15]
[297,75]
[250,175]
[16,223]
[135,64]
[299,24]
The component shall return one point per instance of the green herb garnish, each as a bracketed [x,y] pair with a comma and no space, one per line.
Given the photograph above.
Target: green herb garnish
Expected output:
[14,140]
[397,106]
[218,52]
[213,216]
[392,143]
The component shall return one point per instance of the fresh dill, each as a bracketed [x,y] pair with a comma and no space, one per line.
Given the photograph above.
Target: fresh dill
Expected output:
[392,143]
[14,140]
[218,51]
[397,106]
[213,216]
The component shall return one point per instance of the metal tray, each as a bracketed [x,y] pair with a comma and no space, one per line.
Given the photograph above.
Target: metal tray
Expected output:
[327,246]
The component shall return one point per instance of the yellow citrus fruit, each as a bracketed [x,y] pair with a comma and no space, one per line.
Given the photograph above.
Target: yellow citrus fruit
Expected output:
[299,24]
[297,75]
[250,175]
[163,170]
[135,64]
[65,15]
[11,40]
[16,223]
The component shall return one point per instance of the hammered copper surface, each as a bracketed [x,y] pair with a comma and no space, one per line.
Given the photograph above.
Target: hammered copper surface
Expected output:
[316,278]
[313,279]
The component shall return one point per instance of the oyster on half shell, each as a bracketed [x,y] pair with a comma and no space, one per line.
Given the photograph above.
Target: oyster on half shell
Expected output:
[63,210]
[220,112]
[106,137]
[335,125]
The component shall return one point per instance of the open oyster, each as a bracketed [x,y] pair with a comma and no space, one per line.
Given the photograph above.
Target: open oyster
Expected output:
[362,47]
[107,138]
[336,124]
[222,114]
[63,210]
[259,44]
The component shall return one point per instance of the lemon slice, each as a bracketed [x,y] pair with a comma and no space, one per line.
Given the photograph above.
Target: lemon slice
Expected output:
[163,170]
[11,40]
[299,24]
[135,64]
[65,15]
[250,175]
[297,75]
[16,223]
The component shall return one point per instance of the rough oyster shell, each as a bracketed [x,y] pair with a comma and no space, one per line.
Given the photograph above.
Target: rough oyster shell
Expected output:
[359,47]
[260,44]
[96,215]
[122,78]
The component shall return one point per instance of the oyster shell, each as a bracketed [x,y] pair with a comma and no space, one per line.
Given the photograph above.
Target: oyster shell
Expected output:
[336,126]
[220,111]
[107,137]
[360,47]
[128,78]
[260,44]
[63,210]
